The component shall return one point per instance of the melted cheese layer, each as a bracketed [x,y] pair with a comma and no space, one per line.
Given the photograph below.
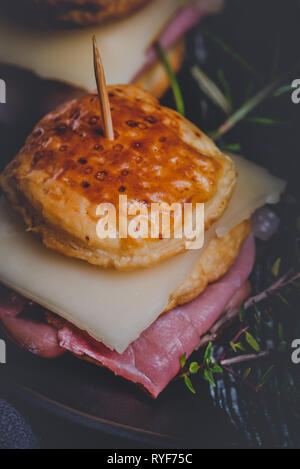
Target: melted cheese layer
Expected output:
[115,307]
[67,54]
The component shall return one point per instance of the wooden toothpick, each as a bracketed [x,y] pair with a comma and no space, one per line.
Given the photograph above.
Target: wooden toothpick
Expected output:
[102,93]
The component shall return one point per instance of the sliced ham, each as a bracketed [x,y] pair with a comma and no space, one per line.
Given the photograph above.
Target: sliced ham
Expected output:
[11,304]
[152,360]
[34,336]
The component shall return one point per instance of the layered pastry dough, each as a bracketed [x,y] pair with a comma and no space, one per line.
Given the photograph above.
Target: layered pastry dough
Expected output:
[67,168]
[87,11]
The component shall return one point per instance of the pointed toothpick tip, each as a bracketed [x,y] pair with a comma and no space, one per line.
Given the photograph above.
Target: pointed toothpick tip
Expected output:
[102,93]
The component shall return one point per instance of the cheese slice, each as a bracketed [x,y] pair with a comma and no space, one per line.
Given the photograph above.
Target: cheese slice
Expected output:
[67,54]
[254,189]
[115,307]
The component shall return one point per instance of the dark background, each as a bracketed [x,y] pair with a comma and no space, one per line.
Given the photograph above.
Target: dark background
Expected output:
[265,33]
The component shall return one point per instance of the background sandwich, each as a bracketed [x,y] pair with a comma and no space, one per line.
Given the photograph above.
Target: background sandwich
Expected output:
[125,30]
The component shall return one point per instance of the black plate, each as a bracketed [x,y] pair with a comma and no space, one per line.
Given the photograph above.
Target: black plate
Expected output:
[95,398]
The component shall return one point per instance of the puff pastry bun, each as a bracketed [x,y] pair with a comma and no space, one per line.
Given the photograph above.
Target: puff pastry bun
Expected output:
[84,12]
[67,168]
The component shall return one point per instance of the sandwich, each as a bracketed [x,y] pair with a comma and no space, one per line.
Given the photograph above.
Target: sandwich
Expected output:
[46,37]
[134,305]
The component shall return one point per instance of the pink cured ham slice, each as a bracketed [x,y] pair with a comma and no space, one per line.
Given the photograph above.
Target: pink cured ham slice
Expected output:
[153,359]
[34,336]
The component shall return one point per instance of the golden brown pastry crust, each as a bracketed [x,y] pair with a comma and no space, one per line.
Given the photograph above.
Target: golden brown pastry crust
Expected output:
[215,261]
[67,168]
[84,12]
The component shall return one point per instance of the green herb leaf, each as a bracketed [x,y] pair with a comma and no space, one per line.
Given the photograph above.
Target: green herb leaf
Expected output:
[252,342]
[207,354]
[276,267]
[226,87]
[242,312]
[211,90]
[237,346]
[172,77]
[233,147]
[284,300]
[246,374]
[189,384]
[209,377]
[267,376]
[183,360]
[194,367]
[216,368]
[264,121]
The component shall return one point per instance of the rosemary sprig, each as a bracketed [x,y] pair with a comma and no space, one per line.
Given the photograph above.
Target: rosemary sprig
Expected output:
[264,121]
[234,54]
[209,366]
[172,77]
[226,86]
[246,108]
[231,147]
[211,90]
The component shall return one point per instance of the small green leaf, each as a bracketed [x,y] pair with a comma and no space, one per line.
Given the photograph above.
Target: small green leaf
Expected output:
[280,331]
[246,374]
[189,384]
[276,267]
[240,346]
[252,342]
[284,300]
[194,367]
[233,346]
[242,312]
[211,90]
[209,377]
[216,368]
[237,346]
[207,354]
[266,376]
[263,121]
[233,147]
[183,360]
